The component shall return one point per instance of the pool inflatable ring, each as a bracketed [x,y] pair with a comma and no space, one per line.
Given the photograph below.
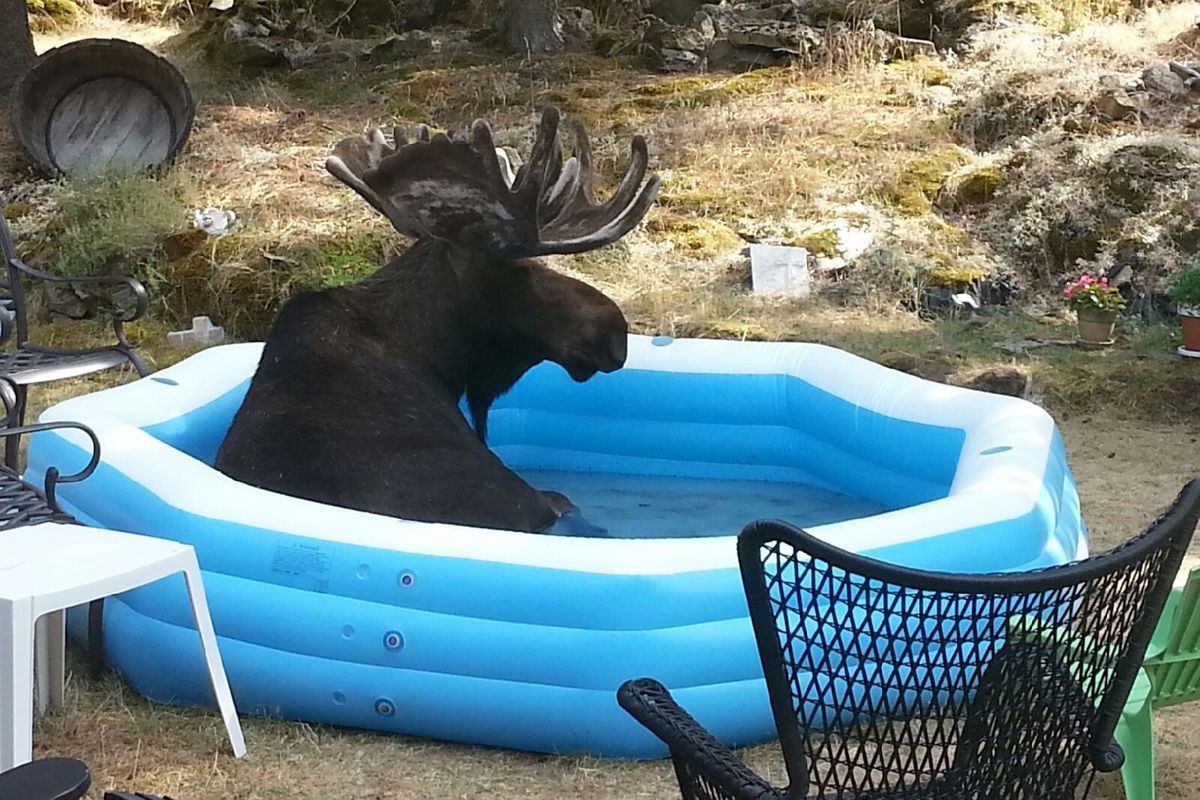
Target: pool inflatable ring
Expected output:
[521,640]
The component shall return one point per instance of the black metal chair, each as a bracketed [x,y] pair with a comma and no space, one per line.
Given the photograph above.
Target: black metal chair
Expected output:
[21,504]
[26,363]
[888,682]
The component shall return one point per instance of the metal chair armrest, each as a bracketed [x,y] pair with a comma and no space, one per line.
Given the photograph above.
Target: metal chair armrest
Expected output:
[694,750]
[141,297]
[53,478]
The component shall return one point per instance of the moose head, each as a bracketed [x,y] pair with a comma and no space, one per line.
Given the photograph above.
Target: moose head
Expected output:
[453,189]
[355,400]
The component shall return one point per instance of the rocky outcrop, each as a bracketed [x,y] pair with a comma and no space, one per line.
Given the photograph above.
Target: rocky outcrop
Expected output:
[684,35]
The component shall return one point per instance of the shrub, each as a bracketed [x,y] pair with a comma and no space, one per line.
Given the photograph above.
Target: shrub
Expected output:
[115,221]
[1184,286]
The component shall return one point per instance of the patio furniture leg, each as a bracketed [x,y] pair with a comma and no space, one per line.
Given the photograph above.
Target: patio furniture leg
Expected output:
[95,637]
[1135,733]
[14,407]
[41,668]
[56,663]
[49,636]
[212,656]
[16,683]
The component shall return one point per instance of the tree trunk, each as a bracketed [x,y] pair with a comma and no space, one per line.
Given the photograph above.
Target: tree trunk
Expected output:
[532,26]
[16,43]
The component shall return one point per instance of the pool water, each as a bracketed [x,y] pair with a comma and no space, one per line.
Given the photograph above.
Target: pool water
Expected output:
[652,507]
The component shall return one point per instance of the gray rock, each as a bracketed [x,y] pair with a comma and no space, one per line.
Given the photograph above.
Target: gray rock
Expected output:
[789,37]
[1116,105]
[722,56]
[702,23]
[676,12]
[409,44]
[680,60]
[1162,81]
[578,24]
[686,39]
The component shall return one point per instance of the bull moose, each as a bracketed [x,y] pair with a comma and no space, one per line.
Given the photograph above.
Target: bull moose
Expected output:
[355,401]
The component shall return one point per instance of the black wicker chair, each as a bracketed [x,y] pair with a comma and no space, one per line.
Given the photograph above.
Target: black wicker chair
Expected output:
[25,363]
[888,682]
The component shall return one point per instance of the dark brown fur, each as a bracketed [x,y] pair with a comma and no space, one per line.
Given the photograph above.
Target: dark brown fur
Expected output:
[355,401]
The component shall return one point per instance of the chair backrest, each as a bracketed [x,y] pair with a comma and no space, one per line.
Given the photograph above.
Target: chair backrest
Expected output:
[1174,661]
[980,686]
[12,296]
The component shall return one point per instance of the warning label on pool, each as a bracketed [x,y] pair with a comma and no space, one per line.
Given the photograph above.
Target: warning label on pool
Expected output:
[302,566]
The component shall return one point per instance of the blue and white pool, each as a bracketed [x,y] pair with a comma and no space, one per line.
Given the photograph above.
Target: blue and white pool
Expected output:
[520,640]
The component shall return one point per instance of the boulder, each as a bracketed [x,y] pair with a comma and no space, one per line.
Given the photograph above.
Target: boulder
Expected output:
[1162,81]
[578,24]
[1115,104]
[676,12]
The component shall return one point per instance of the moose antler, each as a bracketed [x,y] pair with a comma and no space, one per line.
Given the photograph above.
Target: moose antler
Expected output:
[444,187]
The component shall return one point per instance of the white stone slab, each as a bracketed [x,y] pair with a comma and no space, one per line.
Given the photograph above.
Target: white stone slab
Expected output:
[779,269]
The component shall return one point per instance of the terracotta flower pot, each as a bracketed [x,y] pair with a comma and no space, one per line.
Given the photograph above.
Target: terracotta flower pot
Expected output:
[1096,325]
[1189,318]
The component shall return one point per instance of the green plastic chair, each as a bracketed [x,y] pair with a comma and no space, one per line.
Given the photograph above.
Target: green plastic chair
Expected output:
[1170,675]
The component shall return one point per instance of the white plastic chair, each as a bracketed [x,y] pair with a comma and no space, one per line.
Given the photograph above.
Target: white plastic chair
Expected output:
[50,567]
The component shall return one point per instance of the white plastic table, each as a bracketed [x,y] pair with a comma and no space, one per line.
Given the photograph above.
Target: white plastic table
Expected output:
[50,567]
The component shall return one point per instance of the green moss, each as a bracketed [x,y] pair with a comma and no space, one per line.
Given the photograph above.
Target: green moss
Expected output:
[699,91]
[953,277]
[693,198]
[821,242]
[420,86]
[1087,127]
[17,209]
[972,188]
[929,71]
[49,14]
[702,238]
[321,268]
[920,179]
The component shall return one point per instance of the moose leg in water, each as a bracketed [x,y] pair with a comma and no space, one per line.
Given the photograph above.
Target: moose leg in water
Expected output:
[355,400]
[570,520]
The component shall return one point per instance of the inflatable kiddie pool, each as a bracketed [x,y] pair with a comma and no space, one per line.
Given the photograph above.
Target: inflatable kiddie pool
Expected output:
[521,640]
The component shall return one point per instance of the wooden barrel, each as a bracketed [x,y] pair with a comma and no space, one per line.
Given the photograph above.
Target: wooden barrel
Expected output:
[99,102]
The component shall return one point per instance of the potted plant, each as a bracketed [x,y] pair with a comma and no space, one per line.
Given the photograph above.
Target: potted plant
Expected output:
[1184,289]
[1096,305]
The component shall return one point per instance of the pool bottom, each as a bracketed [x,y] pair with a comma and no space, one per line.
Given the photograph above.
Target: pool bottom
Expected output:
[656,507]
